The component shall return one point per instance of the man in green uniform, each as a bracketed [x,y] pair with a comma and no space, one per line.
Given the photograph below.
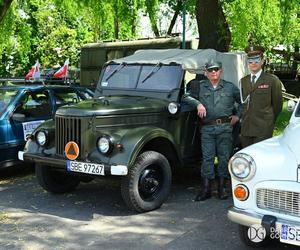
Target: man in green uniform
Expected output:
[262,98]
[215,103]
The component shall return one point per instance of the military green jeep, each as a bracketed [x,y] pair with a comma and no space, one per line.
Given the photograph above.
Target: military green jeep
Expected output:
[135,127]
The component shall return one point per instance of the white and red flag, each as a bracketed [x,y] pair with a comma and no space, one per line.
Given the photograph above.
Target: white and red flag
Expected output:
[34,72]
[63,71]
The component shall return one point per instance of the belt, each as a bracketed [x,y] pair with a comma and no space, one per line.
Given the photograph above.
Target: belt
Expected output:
[218,121]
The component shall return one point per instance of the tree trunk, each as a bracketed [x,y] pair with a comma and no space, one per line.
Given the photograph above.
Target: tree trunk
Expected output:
[116,27]
[154,26]
[4,8]
[178,8]
[213,28]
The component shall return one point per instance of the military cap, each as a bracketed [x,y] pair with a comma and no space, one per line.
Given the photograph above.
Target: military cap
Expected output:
[213,64]
[254,50]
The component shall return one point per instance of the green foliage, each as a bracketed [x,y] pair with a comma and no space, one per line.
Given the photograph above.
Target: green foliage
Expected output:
[290,21]
[6,41]
[282,120]
[268,22]
[54,30]
[43,30]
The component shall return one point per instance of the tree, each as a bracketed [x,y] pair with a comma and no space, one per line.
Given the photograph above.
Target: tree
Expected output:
[212,25]
[152,8]
[54,30]
[178,9]
[4,6]
[269,22]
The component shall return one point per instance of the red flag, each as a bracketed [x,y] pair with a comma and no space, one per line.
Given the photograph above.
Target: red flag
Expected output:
[63,71]
[34,72]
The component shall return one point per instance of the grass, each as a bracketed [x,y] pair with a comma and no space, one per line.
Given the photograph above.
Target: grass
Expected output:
[282,120]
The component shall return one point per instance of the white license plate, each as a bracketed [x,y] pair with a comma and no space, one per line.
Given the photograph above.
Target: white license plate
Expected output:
[290,234]
[85,167]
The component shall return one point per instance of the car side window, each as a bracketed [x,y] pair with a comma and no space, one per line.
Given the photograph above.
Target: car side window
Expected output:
[34,105]
[66,97]
[86,94]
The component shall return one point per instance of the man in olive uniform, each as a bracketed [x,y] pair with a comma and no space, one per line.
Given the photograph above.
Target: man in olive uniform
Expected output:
[215,103]
[262,98]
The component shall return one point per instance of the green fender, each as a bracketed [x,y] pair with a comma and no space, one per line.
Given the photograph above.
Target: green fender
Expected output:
[135,139]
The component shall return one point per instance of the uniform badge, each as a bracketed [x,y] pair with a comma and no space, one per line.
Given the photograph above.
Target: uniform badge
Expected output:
[263,86]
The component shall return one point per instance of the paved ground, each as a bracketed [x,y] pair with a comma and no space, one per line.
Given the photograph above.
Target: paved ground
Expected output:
[95,217]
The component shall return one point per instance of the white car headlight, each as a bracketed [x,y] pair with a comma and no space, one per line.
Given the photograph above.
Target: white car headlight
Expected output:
[173,108]
[242,167]
[41,138]
[105,144]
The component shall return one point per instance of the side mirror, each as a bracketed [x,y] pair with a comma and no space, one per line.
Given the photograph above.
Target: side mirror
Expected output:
[291,105]
[18,117]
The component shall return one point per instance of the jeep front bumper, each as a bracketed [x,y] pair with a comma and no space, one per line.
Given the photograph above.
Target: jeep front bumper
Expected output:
[61,164]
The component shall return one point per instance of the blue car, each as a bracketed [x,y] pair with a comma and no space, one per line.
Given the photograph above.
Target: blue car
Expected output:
[24,107]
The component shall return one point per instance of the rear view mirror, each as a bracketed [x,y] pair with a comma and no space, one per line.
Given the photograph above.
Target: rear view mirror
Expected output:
[291,105]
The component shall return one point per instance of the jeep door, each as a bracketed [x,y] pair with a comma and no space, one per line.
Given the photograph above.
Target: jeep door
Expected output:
[190,132]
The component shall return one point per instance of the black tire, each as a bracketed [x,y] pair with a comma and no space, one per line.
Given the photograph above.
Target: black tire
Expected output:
[243,231]
[55,181]
[148,182]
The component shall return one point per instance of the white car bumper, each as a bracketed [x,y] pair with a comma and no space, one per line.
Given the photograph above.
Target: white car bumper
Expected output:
[247,218]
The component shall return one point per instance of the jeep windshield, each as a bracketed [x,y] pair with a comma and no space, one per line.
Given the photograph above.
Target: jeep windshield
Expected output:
[141,77]
[6,96]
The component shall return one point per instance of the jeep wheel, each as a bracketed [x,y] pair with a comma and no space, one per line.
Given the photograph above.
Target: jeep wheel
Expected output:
[256,241]
[55,181]
[148,182]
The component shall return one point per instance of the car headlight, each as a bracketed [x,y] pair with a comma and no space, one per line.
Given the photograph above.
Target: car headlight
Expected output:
[105,144]
[242,167]
[41,137]
[173,108]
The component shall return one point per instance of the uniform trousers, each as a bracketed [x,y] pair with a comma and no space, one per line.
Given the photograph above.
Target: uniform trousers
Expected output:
[216,140]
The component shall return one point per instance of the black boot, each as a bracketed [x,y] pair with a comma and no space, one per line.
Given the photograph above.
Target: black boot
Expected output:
[221,189]
[205,192]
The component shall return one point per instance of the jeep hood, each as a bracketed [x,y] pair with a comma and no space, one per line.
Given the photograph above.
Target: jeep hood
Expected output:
[113,105]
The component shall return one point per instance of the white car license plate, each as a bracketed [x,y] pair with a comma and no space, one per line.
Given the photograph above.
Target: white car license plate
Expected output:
[85,167]
[290,234]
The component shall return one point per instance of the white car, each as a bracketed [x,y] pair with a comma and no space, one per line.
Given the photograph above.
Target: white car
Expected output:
[266,187]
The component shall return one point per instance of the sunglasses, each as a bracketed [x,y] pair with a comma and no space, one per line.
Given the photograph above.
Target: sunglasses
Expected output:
[254,60]
[216,69]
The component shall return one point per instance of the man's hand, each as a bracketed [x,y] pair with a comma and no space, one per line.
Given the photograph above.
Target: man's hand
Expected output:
[234,119]
[201,110]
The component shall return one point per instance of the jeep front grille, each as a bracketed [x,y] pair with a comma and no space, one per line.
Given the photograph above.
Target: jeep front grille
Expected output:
[67,129]
[279,201]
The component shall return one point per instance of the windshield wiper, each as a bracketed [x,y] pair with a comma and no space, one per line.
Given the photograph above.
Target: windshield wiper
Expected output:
[153,70]
[121,66]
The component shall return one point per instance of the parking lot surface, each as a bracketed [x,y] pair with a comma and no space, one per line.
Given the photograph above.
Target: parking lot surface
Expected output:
[94,216]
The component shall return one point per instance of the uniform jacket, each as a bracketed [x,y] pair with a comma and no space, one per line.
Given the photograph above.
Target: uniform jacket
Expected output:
[219,102]
[264,105]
